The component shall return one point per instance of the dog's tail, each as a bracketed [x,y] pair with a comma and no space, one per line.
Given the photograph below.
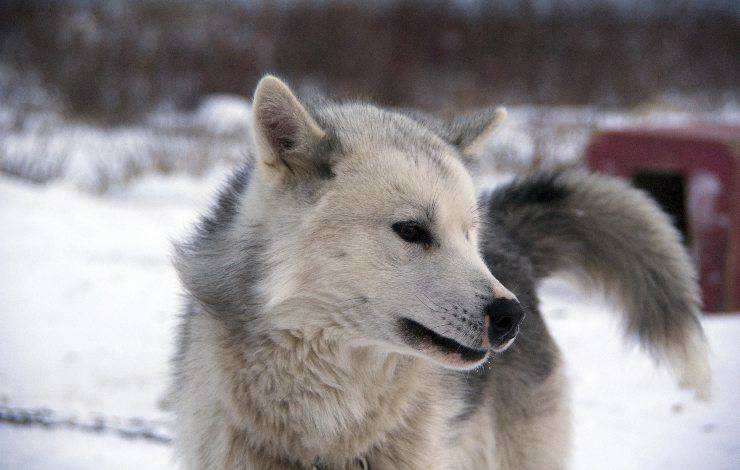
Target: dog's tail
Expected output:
[608,235]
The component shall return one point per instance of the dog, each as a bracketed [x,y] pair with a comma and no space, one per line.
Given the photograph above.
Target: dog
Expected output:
[353,303]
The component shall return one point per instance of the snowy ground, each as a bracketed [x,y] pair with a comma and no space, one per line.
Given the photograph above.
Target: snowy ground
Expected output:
[88,310]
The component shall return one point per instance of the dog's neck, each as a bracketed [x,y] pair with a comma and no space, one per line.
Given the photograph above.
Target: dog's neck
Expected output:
[309,397]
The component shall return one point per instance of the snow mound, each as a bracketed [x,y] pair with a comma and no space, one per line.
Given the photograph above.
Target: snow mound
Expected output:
[45,147]
[224,114]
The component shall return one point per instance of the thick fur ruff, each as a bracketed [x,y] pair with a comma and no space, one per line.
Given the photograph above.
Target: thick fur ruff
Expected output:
[345,292]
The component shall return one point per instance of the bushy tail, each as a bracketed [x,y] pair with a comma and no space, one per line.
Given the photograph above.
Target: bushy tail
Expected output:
[608,235]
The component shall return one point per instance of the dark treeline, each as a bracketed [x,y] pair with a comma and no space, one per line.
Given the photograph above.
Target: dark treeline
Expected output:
[115,60]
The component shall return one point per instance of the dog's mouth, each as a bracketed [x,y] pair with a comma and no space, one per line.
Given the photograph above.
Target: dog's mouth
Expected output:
[446,350]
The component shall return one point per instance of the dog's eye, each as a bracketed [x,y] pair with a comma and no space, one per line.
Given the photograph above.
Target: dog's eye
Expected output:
[413,232]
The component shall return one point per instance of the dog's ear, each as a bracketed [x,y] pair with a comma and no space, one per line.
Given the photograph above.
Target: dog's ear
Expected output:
[288,139]
[469,133]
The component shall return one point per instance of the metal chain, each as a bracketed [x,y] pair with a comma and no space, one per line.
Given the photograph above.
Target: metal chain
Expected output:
[130,428]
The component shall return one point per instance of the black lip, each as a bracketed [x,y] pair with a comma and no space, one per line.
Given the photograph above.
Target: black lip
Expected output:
[499,344]
[418,331]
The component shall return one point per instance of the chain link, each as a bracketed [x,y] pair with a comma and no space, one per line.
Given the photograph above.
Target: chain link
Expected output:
[130,428]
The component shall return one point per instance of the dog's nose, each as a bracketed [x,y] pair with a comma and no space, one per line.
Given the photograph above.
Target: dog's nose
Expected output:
[505,316]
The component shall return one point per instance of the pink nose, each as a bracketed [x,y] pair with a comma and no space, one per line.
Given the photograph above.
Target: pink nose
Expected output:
[501,292]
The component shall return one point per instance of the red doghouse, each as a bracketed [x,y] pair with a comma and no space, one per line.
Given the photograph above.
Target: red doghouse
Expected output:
[694,174]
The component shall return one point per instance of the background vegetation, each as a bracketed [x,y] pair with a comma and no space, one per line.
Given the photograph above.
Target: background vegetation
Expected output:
[113,61]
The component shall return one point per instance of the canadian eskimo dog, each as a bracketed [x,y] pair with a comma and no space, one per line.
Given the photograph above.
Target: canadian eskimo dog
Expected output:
[352,304]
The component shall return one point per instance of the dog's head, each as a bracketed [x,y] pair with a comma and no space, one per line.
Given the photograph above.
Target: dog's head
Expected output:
[372,228]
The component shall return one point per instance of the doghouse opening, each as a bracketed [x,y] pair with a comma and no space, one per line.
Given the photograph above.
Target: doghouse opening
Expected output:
[669,192]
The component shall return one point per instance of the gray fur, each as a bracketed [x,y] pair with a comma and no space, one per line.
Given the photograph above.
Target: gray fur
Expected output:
[609,236]
[292,350]
[468,132]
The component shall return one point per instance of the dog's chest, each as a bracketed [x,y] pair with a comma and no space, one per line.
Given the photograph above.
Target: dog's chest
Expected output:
[319,409]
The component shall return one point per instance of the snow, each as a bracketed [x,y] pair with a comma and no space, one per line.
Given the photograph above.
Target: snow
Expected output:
[224,114]
[88,294]
[39,449]
[627,413]
[44,146]
[89,303]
